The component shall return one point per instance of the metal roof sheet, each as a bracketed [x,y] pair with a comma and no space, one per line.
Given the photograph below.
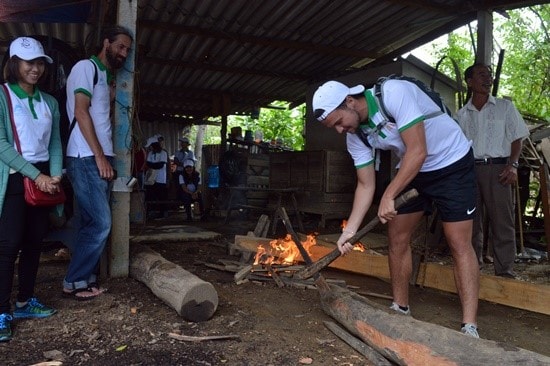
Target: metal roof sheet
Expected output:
[197,57]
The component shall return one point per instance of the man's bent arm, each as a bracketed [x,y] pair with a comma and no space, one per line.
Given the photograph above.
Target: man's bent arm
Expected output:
[414,139]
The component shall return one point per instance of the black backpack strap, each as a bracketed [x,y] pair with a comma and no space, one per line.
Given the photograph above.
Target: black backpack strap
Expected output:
[363,136]
[380,99]
[73,122]
[95,73]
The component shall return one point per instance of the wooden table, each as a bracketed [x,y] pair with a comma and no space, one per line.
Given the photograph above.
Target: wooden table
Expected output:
[289,193]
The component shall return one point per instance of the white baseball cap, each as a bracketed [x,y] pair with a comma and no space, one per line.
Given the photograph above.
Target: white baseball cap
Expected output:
[188,162]
[28,49]
[151,141]
[330,95]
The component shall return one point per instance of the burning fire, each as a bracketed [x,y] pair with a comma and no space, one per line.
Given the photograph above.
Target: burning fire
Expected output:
[358,246]
[282,251]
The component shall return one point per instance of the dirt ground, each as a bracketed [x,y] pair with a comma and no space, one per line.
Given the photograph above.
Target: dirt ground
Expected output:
[129,325]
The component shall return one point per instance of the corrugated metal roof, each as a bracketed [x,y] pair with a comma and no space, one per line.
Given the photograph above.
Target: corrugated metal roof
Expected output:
[197,58]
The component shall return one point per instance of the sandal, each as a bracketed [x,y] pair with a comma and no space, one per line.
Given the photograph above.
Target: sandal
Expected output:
[94,287]
[74,293]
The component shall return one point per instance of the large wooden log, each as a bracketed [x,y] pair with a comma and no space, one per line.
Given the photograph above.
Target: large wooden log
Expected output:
[407,341]
[192,298]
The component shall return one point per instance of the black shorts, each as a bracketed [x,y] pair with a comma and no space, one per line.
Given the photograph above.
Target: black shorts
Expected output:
[452,189]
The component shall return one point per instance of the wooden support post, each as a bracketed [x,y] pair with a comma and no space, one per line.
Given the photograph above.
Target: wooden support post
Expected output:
[544,187]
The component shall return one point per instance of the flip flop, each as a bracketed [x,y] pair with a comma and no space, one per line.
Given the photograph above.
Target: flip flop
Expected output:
[74,294]
[94,287]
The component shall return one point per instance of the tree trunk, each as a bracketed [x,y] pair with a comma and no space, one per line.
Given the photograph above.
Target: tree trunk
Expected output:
[407,341]
[192,298]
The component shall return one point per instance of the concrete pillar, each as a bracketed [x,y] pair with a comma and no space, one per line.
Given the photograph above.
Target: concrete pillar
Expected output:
[122,132]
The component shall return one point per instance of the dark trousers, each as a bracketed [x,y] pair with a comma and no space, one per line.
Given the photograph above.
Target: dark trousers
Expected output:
[498,201]
[22,229]
[187,200]
[156,192]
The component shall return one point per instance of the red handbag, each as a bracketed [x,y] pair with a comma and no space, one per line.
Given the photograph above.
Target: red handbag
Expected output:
[33,195]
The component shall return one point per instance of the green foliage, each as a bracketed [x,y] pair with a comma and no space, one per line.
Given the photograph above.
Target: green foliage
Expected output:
[527,59]
[281,123]
[525,72]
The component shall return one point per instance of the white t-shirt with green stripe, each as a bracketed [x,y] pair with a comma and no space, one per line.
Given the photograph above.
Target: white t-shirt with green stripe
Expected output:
[81,80]
[408,105]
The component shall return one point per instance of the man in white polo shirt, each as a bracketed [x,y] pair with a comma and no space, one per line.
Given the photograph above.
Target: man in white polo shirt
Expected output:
[497,131]
[90,157]
[435,158]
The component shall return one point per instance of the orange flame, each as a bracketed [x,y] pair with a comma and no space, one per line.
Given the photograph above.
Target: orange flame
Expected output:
[282,251]
[358,246]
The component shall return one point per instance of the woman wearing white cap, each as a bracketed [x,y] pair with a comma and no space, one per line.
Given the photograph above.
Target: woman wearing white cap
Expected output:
[22,227]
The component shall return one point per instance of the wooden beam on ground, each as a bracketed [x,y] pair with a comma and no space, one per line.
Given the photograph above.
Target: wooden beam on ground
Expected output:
[408,341]
[370,354]
[518,294]
[192,298]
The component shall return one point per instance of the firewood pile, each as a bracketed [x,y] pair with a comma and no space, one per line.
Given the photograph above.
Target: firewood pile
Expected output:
[273,260]
[267,260]
[281,274]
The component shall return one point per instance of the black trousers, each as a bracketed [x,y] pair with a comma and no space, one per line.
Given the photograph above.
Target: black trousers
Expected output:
[22,229]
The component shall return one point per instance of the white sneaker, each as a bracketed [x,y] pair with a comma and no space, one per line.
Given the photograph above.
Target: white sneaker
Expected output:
[470,330]
[397,309]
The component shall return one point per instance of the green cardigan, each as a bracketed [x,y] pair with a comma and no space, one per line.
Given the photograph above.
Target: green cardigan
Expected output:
[10,158]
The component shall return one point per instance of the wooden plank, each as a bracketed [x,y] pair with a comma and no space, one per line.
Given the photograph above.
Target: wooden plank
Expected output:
[545,149]
[518,294]
[258,160]
[316,170]
[257,180]
[340,172]
[321,197]
[545,196]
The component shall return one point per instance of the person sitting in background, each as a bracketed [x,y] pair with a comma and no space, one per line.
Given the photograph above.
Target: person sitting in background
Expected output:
[183,154]
[189,181]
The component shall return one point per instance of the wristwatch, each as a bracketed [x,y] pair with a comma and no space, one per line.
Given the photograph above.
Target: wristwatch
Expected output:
[515,164]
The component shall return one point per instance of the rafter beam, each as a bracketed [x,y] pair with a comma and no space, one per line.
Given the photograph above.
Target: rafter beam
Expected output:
[271,42]
[221,68]
[153,91]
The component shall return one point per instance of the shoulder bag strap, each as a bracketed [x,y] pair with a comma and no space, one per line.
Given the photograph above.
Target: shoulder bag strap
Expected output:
[10,107]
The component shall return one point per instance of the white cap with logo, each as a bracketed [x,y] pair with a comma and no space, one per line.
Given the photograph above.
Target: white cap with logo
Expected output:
[330,95]
[28,49]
